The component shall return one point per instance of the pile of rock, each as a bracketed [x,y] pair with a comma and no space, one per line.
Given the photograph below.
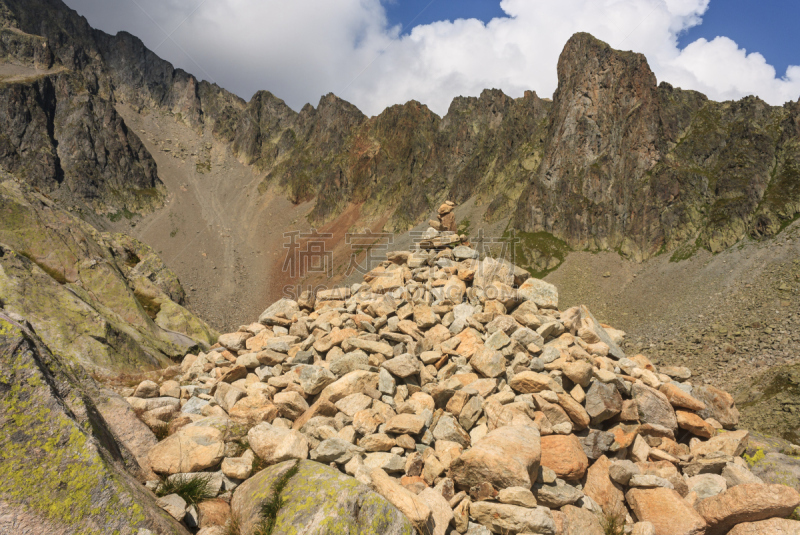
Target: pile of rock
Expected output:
[456,389]
[445,218]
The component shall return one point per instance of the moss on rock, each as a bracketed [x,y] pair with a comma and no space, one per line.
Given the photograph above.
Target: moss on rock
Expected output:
[56,464]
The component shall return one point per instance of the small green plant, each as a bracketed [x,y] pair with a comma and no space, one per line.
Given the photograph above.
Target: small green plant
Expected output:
[192,489]
[271,508]
[795,515]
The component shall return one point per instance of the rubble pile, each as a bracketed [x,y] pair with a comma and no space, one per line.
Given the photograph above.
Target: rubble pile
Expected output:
[455,388]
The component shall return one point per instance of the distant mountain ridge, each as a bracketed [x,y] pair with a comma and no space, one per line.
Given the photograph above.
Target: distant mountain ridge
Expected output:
[613,162]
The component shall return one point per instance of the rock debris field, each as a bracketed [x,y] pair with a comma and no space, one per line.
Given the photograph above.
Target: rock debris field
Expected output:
[448,394]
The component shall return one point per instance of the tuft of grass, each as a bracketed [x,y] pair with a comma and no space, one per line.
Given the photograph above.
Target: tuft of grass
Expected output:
[613,523]
[192,489]
[232,526]
[258,464]
[271,508]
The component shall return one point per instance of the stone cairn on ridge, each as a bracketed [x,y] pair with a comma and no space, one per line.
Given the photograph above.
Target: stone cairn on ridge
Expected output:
[455,388]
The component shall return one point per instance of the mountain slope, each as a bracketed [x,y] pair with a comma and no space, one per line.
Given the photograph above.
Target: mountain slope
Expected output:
[615,162]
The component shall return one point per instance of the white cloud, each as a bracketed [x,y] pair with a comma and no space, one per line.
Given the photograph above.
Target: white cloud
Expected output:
[302,49]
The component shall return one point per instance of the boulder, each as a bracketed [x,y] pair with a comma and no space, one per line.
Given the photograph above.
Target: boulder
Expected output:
[666,510]
[275,444]
[404,500]
[528,382]
[719,405]
[773,526]
[503,518]
[63,468]
[403,424]
[732,443]
[352,383]
[603,402]
[440,510]
[320,499]
[191,449]
[747,503]
[706,485]
[564,455]
[403,366]
[654,408]
[679,398]
[506,457]
[542,293]
[600,487]
[582,521]
[287,307]
[488,362]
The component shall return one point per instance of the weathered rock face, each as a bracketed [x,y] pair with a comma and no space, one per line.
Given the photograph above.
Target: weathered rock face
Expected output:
[342,504]
[612,148]
[105,301]
[61,463]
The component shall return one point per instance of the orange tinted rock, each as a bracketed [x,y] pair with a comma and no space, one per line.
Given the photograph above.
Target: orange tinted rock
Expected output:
[564,455]
[213,512]
[694,424]
[680,398]
[601,488]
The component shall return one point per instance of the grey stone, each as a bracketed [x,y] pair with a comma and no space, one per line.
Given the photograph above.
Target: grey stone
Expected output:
[596,443]
[649,482]
[622,471]
[603,402]
[194,405]
[335,450]
[174,505]
[654,408]
[558,495]
[315,378]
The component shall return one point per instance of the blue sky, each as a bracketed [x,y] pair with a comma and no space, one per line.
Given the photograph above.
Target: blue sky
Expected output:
[410,13]
[771,27]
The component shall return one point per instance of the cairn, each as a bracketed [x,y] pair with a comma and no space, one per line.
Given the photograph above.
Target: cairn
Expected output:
[455,388]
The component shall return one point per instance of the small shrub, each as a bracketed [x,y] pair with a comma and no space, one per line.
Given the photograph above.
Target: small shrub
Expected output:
[192,489]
